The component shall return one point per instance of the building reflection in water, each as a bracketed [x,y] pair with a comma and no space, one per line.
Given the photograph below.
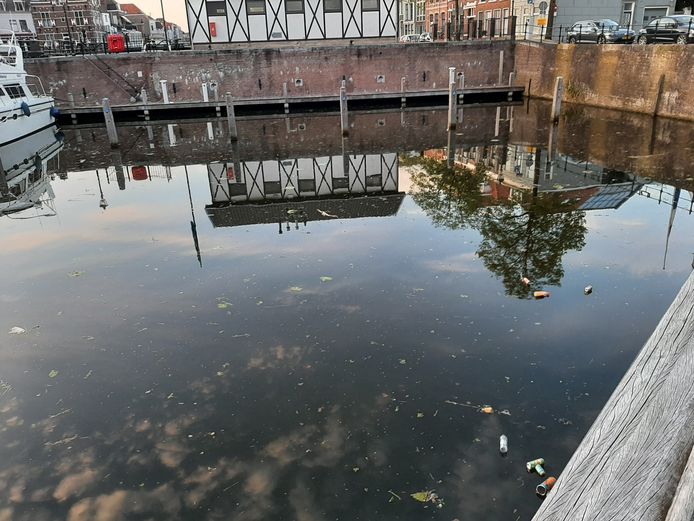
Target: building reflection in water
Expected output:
[298,190]
[290,171]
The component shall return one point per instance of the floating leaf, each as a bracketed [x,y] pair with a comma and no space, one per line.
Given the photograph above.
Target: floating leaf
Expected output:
[223,305]
[487,410]
[422,496]
[420,415]
[296,289]
[53,373]
[16,330]
[325,278]
[76,273]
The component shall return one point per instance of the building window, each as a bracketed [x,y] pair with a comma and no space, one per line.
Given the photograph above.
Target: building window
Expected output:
[332,6]
[14,91]
[369,5]
[14,26]
[255,6]
[24,26]
[295,6]
[19,5]
[79,18]
[216,8]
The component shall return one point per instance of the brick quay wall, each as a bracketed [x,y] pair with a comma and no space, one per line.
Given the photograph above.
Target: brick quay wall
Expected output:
[255,72]
[648,79]
[652,79]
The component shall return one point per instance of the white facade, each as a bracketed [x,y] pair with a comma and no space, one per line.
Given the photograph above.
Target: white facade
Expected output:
[229,21]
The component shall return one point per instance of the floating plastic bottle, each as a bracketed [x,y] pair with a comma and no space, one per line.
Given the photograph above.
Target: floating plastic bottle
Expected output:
[541,294]
[588,290]
[503,444]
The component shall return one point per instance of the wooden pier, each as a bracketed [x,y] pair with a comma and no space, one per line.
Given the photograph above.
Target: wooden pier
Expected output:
[636,462]
[245,107]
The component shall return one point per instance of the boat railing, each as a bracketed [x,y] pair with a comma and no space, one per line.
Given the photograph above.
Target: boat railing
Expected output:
[35,86]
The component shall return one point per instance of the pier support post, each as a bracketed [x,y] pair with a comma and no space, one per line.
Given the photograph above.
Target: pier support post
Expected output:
[556,99]
[501,67]
[110,123]
[145,101]
[452,100]
[403,100]
[231,117]
[71,102]
[205,93]
[461,95]
[344,120]
[285,94]
[164,90]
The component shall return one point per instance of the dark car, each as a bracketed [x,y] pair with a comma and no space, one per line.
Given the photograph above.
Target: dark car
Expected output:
[668,29]
[599,31]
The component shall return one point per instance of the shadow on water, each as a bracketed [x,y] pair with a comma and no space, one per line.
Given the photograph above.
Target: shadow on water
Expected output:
[298,326]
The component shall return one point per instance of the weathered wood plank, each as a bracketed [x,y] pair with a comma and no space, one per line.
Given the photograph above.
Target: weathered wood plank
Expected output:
[682,508]
[630,462]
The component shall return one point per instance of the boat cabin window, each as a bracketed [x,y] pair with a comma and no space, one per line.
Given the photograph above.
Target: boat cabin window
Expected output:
[15,91]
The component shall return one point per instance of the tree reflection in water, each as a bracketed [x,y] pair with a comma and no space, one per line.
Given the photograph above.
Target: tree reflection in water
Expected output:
[526,238]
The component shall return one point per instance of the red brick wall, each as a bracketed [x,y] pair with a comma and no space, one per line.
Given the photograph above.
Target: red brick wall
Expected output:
[625,77]
[257,72]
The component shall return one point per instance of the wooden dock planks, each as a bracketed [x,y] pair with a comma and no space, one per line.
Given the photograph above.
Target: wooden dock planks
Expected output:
[636,462]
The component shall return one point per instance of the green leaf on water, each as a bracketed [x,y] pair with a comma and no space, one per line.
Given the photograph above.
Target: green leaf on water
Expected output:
[296,289]
[422,496]
[223,305]
[325,278]
[53,373]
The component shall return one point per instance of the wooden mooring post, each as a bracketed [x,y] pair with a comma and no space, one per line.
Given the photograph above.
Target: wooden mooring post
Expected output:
[557,98]
[636,461]
[231,117]
[452,100]
[110,123]
[344,119]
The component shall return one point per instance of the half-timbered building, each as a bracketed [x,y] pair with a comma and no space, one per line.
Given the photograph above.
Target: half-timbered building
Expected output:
[232,21]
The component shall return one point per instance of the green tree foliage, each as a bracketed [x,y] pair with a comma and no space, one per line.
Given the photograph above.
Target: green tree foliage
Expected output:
[527,239]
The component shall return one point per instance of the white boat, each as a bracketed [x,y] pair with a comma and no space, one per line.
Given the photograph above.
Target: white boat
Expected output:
[24,106]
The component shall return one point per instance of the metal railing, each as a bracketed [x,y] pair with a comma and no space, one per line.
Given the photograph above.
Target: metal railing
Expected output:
[507,27]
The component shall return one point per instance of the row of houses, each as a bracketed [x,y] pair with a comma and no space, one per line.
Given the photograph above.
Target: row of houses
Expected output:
[453,19]
[224,22]
[55,22]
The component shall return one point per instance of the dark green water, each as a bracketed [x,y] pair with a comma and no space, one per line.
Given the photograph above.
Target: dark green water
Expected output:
[330,371]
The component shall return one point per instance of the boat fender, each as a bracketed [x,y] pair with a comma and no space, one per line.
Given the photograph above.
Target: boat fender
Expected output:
[25,108]
[55,112]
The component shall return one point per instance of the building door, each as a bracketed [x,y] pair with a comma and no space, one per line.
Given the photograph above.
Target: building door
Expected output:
[627,15]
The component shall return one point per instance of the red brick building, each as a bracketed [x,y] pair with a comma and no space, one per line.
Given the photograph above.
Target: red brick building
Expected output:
[440,19]
[478,18]
[493,18]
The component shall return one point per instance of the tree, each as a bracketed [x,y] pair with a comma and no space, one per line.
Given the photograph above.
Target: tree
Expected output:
[527,239]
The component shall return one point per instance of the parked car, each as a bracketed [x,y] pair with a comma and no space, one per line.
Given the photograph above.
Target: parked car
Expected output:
[677,29]
[599,31]
[409,38]
[425,37]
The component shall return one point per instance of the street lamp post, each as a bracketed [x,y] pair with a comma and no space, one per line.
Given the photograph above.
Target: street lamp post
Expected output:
[69,31]
[163,18]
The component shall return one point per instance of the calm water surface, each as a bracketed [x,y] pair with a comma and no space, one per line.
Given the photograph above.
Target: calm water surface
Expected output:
[182,359]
